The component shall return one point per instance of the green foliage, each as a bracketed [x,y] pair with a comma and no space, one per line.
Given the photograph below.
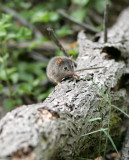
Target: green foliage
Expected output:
[64,31]
[99,5]
[36,43]
[73,52]
[81,3]
[27,76]
[108,100]
[99,130]
[110,124]
[111,140]
[44,16]
[19,4]
[107,133]
[79,14]
[1,87]
[120,110]
[24,33]
[93,119]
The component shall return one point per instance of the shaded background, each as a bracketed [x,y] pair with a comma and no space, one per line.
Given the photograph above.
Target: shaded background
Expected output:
[26,47]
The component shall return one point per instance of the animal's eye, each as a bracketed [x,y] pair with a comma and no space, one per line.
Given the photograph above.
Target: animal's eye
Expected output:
[65,68]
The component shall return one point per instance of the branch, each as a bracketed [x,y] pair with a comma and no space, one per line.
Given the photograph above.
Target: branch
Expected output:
[85,26]
[38,57]
[53,36]
[106,22]
[47,48]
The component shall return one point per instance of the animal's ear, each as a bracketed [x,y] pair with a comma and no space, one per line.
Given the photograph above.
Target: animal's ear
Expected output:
[59,61]
[71,58]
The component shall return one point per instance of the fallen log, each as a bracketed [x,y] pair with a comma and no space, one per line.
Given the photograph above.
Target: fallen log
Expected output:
[52,129]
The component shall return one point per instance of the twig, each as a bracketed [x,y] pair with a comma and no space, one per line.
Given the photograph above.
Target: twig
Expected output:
[46,49]
[38,57]
[23,21]
[86,26]
[53,36]
[105,22]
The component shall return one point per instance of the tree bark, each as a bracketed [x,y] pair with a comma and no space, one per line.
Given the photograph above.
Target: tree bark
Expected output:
[52,129]
[125,148]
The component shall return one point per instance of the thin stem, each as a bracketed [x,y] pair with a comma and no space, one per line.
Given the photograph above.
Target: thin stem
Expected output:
[105,22]
[109,120]
[54,37]
[7,80]
[100,134]
[86,26]
[4,50]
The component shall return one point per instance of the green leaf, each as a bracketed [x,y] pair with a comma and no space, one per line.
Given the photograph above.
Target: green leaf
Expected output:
[7,25]
[1,59]
[73,51]
[36,43]
[93,119]
[120,110]
[111,140]
[9,104]
[25,5]
[64,31]
[44,16]
[99,130]
[1,87]
[5,57]
[54,16]
[79,14]
[103,95]
[32,67]
[41,16]
[11,36]
[3,32]
[6,17]
[81,3]
[24,33]
[17,101]
[59,53]
[25,88]
[100,5]
[41,97]
[14,77]
[24,76]
[9,71]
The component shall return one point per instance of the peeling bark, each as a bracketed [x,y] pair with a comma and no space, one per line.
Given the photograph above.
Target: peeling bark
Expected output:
[51,130]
